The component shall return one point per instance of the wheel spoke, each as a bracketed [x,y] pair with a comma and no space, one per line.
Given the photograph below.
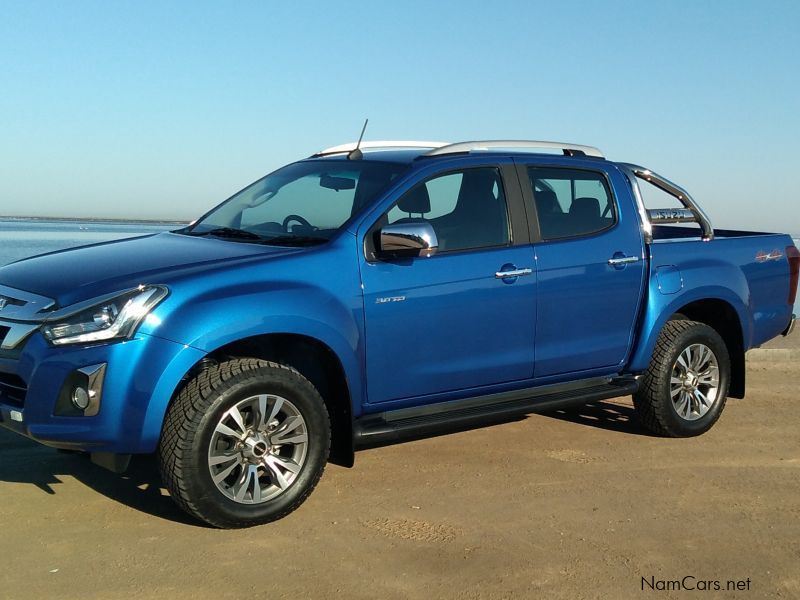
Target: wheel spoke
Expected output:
[262,412]
[241,486]
[710,380]
[285,463]
[709,377]
[222,475]
[289,425]
[682,359]
[237,417]
[708,358]
[276,408]
[680,407]
[695,353]
[300,438]
[225,430]
[221,459]
[701,398]
[256,485]
[273,466]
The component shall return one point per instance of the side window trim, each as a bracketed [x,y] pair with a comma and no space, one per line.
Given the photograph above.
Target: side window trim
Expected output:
[530,203]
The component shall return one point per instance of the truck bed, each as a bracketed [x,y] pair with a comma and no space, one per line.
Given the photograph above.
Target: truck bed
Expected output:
[747,268]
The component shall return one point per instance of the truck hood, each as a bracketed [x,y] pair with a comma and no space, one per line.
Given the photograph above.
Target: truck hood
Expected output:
[79,274]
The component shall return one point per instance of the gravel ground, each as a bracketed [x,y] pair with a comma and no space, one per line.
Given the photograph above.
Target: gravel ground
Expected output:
[565,506]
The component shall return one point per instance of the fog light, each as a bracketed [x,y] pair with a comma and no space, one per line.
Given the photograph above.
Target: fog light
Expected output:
[80,398]
[81,393]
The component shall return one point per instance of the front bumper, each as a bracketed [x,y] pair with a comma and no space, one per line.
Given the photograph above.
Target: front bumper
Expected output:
[140,379]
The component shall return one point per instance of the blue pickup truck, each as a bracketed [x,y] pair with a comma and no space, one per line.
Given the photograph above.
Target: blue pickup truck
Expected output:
[377,291]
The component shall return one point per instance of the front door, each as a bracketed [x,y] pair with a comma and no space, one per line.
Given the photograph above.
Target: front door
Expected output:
[452,321]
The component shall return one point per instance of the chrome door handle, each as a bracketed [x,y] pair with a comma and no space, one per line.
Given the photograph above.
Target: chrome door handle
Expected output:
[623,260]
[514,273]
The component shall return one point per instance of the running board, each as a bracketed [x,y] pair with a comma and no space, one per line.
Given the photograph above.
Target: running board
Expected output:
[385,427]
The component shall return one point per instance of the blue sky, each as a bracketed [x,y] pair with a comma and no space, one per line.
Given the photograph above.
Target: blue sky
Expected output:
[161,110]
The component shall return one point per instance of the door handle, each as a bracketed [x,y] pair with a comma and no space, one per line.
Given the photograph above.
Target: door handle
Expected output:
[514,273]
[622,260]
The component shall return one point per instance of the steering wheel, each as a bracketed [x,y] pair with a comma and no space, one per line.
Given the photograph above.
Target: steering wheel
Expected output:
[297,218]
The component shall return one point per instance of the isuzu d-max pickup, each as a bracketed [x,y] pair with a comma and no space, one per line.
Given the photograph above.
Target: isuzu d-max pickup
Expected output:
[381,291]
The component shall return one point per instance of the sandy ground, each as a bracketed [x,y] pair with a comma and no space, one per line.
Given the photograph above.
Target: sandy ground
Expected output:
[559,506]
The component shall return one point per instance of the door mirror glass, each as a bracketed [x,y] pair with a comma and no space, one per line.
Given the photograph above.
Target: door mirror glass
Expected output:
[407,240]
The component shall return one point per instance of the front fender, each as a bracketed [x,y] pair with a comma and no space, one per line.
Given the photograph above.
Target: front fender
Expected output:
[215,318]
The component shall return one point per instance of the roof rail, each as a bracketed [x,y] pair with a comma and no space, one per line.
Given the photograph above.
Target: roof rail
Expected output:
[349,147]
[568,149]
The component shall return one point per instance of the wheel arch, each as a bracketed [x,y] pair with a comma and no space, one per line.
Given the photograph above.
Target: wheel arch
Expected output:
[313,359]
[318,363]
[722,317]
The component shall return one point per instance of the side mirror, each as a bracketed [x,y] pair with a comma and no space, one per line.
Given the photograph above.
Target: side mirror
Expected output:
[407,240]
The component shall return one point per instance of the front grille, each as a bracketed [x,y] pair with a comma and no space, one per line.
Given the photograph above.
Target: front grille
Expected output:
[3,333]
[12,390]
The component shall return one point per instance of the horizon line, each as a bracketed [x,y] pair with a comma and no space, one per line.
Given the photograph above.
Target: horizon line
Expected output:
[91,219]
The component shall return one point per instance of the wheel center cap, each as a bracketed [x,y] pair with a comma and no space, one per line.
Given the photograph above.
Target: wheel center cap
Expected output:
[691,381]
[255,449]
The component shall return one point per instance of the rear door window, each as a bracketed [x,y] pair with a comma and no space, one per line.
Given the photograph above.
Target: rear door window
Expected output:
[571,202]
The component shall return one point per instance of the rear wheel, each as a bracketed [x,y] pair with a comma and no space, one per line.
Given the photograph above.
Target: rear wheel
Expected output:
[683,391]
[244,443]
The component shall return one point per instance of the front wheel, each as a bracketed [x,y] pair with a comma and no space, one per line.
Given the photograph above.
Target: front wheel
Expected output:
[244,442]
[684,389]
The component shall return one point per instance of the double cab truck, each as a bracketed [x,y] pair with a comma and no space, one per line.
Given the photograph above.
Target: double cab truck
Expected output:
[380,291]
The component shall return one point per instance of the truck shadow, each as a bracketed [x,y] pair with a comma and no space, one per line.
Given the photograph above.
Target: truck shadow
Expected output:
[138,488]
[603,415]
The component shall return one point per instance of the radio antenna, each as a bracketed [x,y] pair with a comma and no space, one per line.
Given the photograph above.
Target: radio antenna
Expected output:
[356,154]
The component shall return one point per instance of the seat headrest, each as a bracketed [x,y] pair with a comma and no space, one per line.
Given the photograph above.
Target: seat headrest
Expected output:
[547,202]
[585,207]
[417,201]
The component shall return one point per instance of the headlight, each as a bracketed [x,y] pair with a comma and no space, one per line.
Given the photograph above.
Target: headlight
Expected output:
[115,318]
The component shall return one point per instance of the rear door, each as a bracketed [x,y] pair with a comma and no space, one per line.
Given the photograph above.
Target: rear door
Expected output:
[452,321]
[590,265]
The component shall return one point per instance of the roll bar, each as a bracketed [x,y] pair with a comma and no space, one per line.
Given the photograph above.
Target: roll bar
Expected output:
[692,213]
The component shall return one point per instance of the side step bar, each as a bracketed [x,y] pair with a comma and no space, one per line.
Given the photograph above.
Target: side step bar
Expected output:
[385,427]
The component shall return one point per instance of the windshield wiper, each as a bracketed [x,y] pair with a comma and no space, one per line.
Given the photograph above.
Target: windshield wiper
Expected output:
[295,240]
[229,233]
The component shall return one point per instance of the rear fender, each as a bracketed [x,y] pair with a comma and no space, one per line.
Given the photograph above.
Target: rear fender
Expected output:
[661,308]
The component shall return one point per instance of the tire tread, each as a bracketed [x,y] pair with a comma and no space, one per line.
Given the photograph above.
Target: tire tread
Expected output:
[183,419]
[652,410]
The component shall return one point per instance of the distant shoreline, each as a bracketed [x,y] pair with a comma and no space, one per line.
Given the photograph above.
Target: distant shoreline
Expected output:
[93,220]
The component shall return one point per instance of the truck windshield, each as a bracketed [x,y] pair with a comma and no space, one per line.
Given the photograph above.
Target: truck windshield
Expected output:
[304,203]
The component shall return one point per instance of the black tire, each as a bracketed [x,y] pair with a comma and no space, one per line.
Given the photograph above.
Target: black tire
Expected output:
[189,428]
[653,401]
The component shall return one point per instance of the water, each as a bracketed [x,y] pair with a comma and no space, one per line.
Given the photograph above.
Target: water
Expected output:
[21,238]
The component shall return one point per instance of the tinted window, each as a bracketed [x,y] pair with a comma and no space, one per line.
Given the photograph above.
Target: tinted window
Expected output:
[571,202]
[467,209]
[308,198]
